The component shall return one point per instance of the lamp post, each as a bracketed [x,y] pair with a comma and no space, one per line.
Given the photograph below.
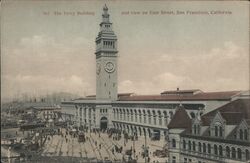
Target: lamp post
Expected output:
[145,149]
[134,145]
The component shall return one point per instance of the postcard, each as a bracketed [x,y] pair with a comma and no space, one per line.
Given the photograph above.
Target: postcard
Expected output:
[125,81]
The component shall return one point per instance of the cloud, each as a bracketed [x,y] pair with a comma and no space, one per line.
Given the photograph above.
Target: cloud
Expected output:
[42,63]
[229,51]
[169,80]
[46,55]
[156,85]
[218,69]
[43,84]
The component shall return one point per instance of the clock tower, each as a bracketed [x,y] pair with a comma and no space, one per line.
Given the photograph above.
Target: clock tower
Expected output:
[106,60]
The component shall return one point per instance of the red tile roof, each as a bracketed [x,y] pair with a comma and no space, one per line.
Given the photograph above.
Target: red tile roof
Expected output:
[240,105]
[180,119]
[248,121]
[232,112]
[192,91]
[193,97]
[232,118]
[119,95]
[206,120]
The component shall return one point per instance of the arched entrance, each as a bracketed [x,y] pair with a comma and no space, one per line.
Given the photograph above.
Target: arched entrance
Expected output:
[149,132]
[103,123]
[140,130]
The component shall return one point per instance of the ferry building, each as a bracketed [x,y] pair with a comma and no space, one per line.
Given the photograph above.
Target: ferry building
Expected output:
[135,114]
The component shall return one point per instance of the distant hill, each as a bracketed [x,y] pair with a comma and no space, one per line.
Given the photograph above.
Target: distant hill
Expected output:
[43,100]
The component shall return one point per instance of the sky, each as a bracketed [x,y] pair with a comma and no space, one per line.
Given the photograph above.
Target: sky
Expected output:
[44,51]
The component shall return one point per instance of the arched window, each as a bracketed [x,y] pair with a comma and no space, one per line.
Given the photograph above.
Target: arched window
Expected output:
[209,148]
[120,114]
[245,134]
[241,134]
[124,115]
[215,150]
[228,152]
[233,152]
[149,117]
[239,153]
[194,146]
[171,114]
[128,114]
[154,117]
[165,118]
[220,151]
[189,145]
[216,130]
[192,115]
[199,147]
[204,148]
[144,116]
[195,129]
[247,155]
[184,144]
[132,115]
[160,118]
[173,143]
[221,133]
[135,116]
[140,116]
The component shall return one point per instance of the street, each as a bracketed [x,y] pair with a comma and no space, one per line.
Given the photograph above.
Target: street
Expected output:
[99,147]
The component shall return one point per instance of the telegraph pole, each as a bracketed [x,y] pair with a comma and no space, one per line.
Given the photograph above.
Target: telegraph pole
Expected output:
[145,148]
[134,145]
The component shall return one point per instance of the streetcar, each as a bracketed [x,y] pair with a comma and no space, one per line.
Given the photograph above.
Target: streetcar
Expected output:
[81,137]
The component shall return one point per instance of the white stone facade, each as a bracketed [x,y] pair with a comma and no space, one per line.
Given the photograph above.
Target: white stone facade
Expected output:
[219,136]
[106,60]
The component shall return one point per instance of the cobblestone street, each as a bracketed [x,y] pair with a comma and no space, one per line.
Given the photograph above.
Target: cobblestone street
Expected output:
[99,147]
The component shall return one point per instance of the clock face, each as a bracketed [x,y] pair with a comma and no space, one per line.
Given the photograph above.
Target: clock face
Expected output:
[109,67]
[98,69]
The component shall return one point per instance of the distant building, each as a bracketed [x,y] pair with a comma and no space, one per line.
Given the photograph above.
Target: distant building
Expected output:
[222,135]
[49,112]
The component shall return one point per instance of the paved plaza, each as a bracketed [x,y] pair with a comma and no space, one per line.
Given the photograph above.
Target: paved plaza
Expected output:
[99,147]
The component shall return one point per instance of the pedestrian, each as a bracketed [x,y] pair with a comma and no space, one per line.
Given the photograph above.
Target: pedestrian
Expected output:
[123,159]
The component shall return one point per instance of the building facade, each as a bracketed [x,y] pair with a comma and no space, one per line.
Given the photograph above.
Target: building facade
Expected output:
[222,135]
[135,114]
